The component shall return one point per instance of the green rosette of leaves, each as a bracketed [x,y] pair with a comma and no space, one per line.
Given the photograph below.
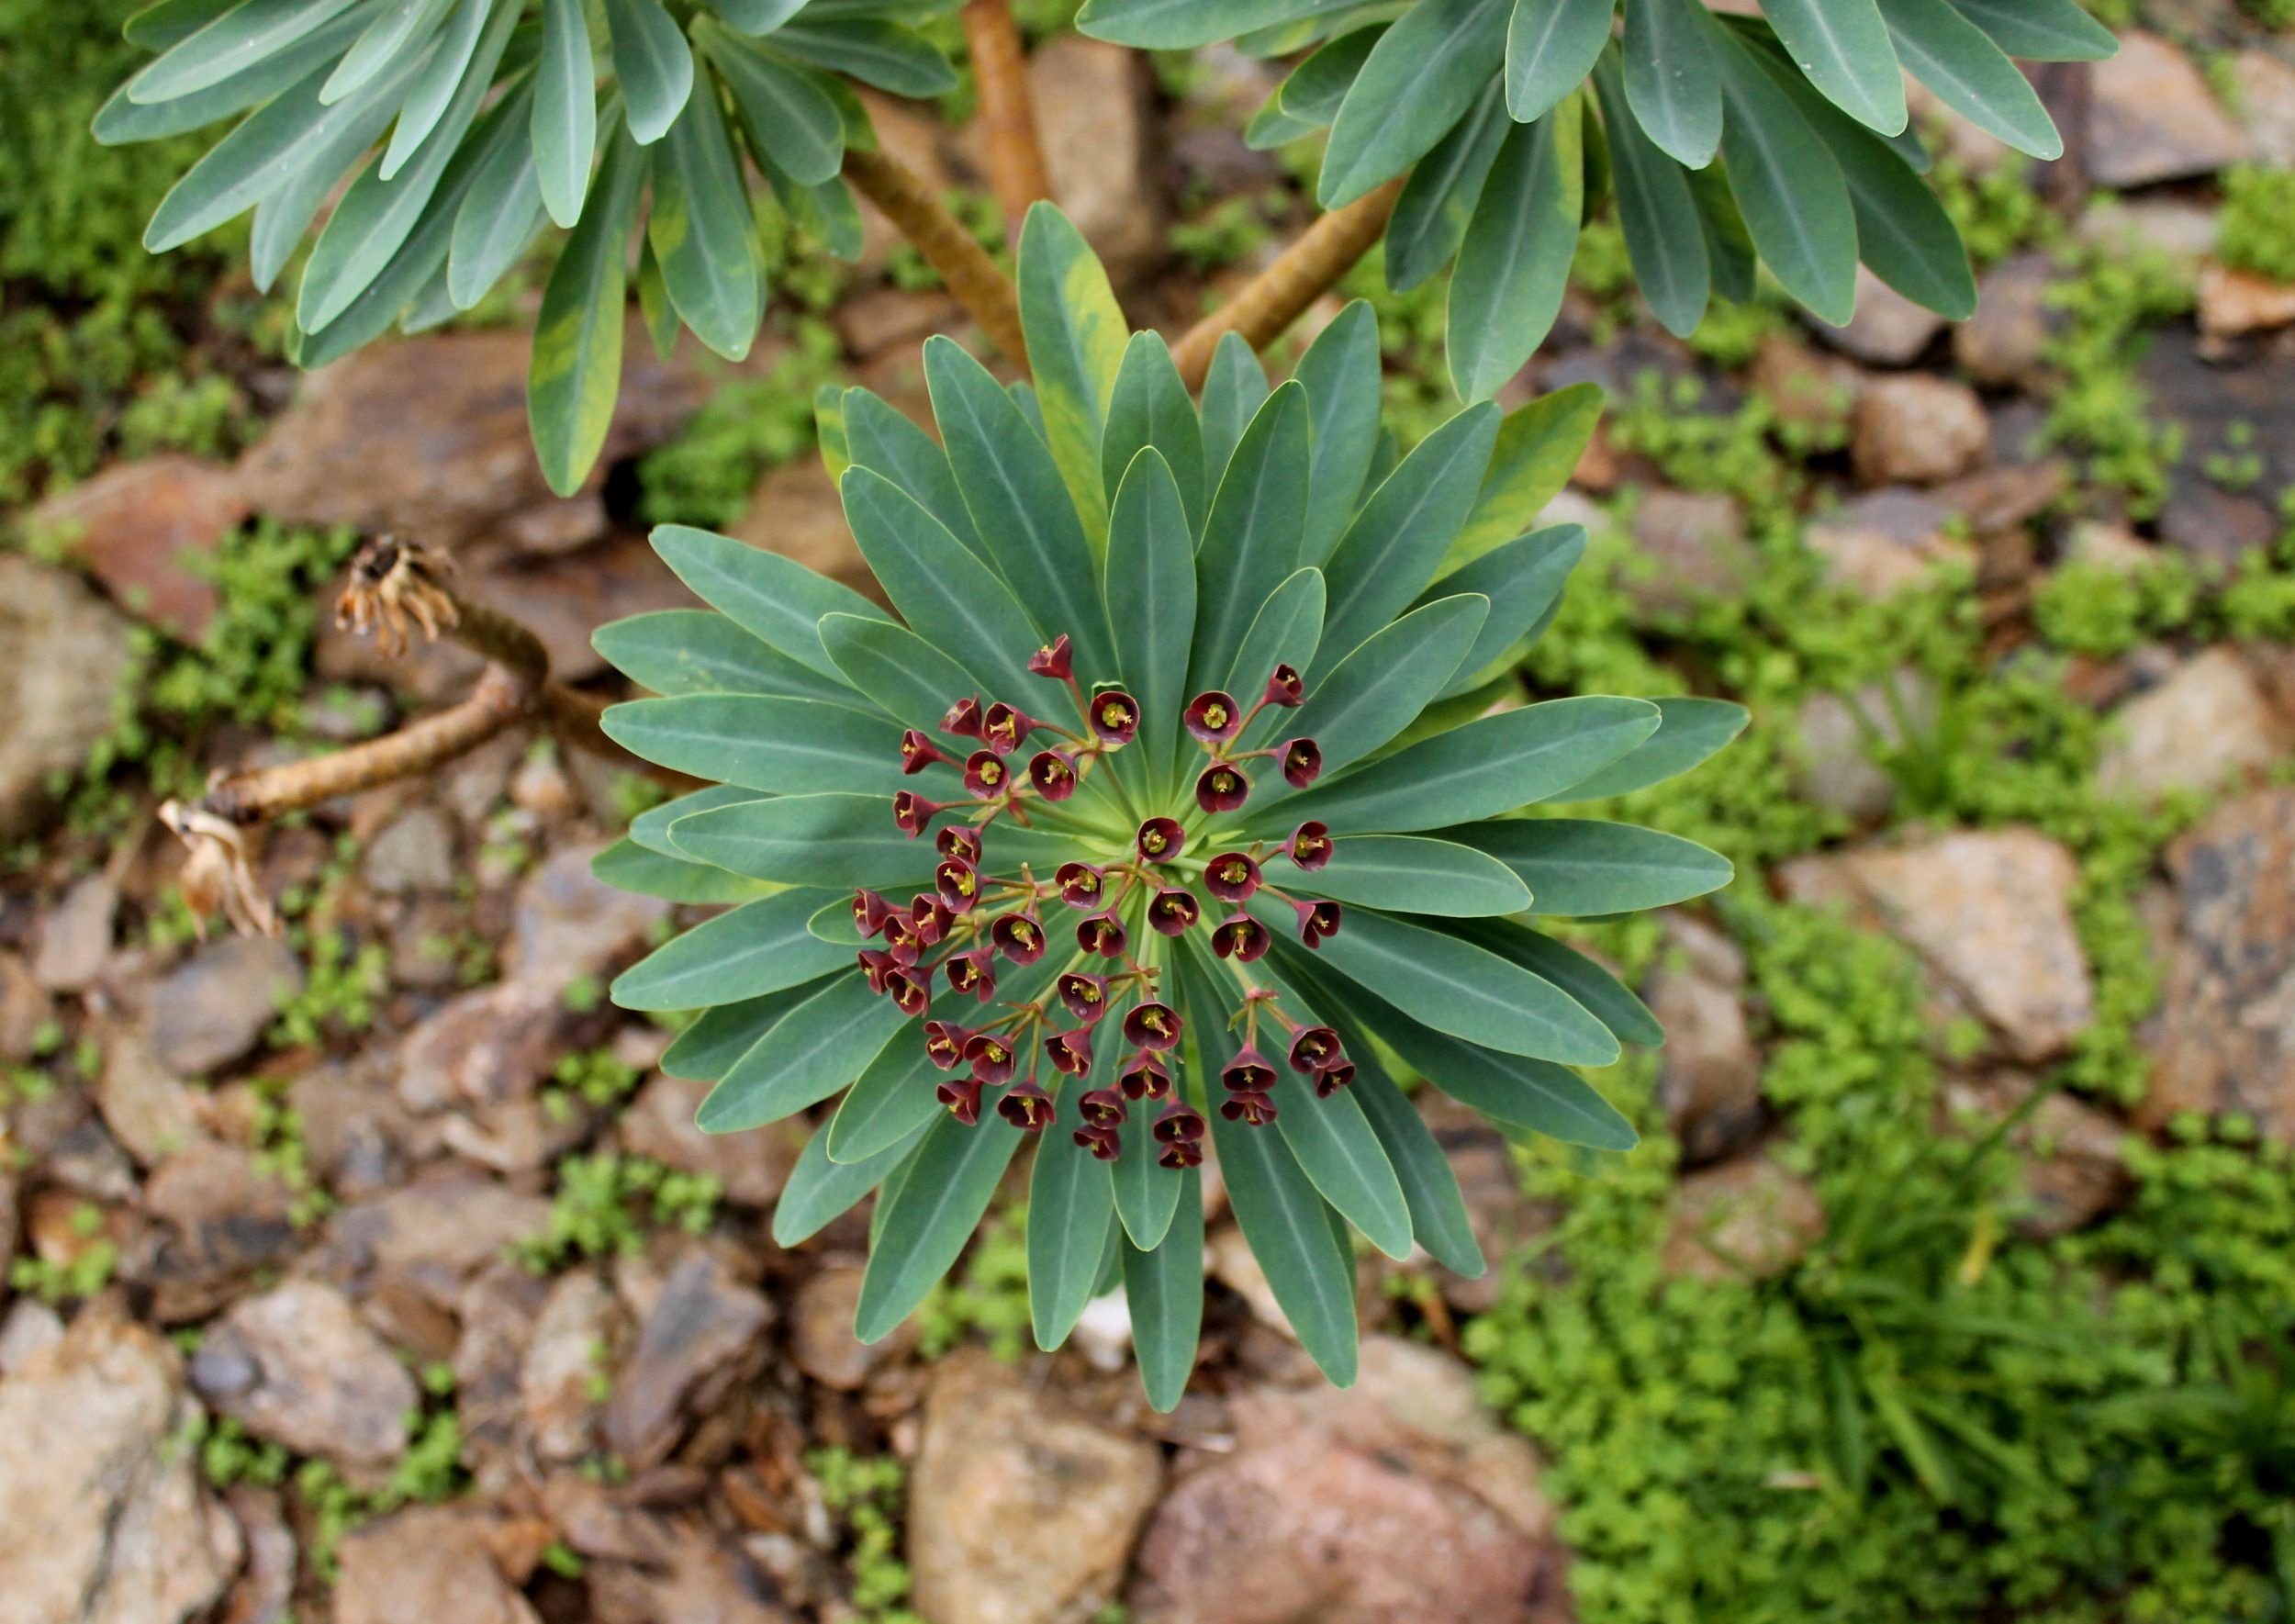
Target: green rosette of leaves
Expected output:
[1729,142]
[1176,811]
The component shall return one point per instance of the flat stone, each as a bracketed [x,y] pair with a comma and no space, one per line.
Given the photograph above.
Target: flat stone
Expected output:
[1918,429]
[76,936]
[221,1221]
[570,926]
[24,1009]
[355,1132]
[1887,330]
[1747,1217]
[212,1008]
[436,1231]
[703,1325]
[752,1166]
[148,1108]
[429,1564]
[2185,232]
[141,528]
[567,1361]
[103,1518]
[264,1593]
[2005,343]
[691,1575]
[1022,1508]
[1092,109]
[2267,106]
[1709,1073]
[2222,1040]
[1886,541]
[2152,117]
[1988,911]
[1689,545]
[2071,1164]
[64,654]
[1401,1499]
[1835,736]
[2235,302]
[820,1331]
[498,1312]
[2208,722]
[413,852]
[297,1365]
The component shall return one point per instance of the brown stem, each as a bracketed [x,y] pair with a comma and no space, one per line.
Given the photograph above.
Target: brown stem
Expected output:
[1016,157]
[1276,297]
[946,246]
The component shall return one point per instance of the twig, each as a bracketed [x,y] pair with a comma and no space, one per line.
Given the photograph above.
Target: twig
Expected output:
[1016,155]
[946,246]
[1276,297]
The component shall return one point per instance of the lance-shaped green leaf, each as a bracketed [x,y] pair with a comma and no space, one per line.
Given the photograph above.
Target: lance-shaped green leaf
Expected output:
[950,598]
[1071,1209]
[1842,46]
[122,119]
[1019,505]
[1523,580]
[1728,244]
[1399,535]
[1690,732]
[759,948]
[1234,389]
[879,436]
[285,214]
[1424,72]
[1251,538]
[1147,1194]
[654,65]
[872,51]
[1439,1219]
[632,867]
[1411,874]
[231,44]
[706,1050]
[500,216]
[1076,337]
[952,1175]
[1149,407]
[1378,690]
[1285,632]
[771,596]
[169,22]
[1593,988]
[1151,600]
[1539,446]
[700,229]
[1458,988]
[576,367]
[890,1102]
[1582,869]
[565,110]
[691,651]
[1182,25]
[1486,768]
[434,86]
[1340,373]
[910,679]
[835,841]
[650,828]
[2042,30]
[1658,212]
[1788,187]
[1515,263]
[399,27]
[1431,213]
[1313,92]
[757,17]
[1673,84]
[815,1049]
[784,108]
[781,746]
[1971,75]
[1164,1285]
[1550,47]
[820,1191]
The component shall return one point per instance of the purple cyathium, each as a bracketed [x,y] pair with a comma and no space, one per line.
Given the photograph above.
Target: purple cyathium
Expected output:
[1134,883]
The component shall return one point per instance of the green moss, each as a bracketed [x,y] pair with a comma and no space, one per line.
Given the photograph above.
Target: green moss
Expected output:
[2101,608]
[863,1493]
[705,476]
[988,1296]
[606,1203]
[2257,225]
[2108,301]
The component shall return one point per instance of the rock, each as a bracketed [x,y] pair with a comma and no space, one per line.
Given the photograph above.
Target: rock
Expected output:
[103,1519]
[266,1591]
[1401,1500]
[1998,500]
[1886,541]
[427,435]
[147,1107]
[75,936]
[1505,1219]
[1022,1508]
[1918,429]
[490,1046]
[1744,1217]
[221,1221]
[560,1382]
[692,1576]
[2235,302]
[30,1329]
[1710,1075]
[414,852]
[1804,386]
[820,1332]
[24,1009]
[497,1313]
[2265,87]
[2186,233]
[1887,330]
[2005,344]
[1989,911]
[2152,117]
[212,1008]
[563,599]
[695,1336]
[752,1166]
[429,1564]
[2222,1040]
[435,1232]
[796,514]
[2070,1159]
[2207,722]
[297,1364]
[1689,546]
[134,526]
[1092,116]
[2209,523]
[64,654]
[354,1130]
[1836,737]
[570,926]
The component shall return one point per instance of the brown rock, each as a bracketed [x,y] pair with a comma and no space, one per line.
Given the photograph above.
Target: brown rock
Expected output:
[221,1220]
[63,654]
[1710,1077]
[2207,722]
[2221,1041]
[1021,1509]
[1804,385]
[148,1108]
[695,1335]
[565,1364]
[2185,232]
[1887,330]
[2267,106]
[2005,343]
[2070,1159]
[488,1045]
[796,514]
[1836,737]
[430,1564]
[821,1333]
[266,1591]
[354,1130]
[134,526]
[414,852]
[1917,429]
[103,1519]
[1990,913]
[211,1009]
[1092,109]
[24,1009]
[297,1364]
[499,1311]
[692,1577]
[2235,302]
[2152,117]
[435,1232]
[1744,1217]
[1398,1501]
[1886,541]
[75,936]
[752,1166]
[1690,545]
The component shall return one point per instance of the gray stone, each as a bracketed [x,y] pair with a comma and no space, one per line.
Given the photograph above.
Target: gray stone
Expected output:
[435,1231]
[1917,429]
[1690,545]
[1092,116]
[704,1324]
[1747,1217]
[148,1108]
[2208,722]
[1836,737]
[1888,329]
[64,654]
[1710,1074]
[2267,106]
[565,1365]
[221,1220]
[1886,541]
[752,1166]
[212,1008]
[415,852]
[76,936]
[297,1364]
[2152,117]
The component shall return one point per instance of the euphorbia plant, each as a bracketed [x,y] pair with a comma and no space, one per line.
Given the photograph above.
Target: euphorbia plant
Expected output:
[1176,805]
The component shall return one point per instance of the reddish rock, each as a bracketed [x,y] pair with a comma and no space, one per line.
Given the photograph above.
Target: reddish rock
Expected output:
[430,1564]
[2152,117]
[141,528]
[1886,541]
[1918,429]
[1744,1217]
[2236,302]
